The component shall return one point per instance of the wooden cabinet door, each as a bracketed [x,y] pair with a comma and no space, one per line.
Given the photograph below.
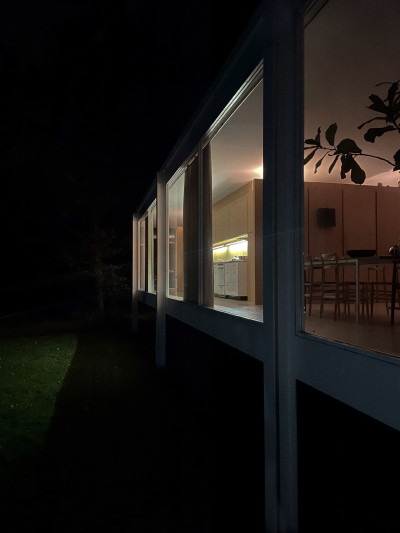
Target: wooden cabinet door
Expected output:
[221,221]
[238,217]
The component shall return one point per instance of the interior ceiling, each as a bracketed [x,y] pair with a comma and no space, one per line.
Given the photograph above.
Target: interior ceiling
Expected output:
[346,56]
[236,150]
[236,153]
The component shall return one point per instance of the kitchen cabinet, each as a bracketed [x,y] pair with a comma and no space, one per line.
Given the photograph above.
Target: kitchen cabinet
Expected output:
[235,279]
[219,279]
[238,217]
[221,224]
[230,216]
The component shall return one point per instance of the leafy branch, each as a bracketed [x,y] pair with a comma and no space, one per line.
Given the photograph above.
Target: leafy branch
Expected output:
[347,149]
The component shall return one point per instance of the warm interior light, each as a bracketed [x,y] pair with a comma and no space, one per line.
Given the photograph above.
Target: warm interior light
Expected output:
[228,242]
[238,246]
[227,250]
[237,242]
[259,171]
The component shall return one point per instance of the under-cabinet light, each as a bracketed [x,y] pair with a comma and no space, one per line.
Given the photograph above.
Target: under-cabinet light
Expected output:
[238,246]
[237,242]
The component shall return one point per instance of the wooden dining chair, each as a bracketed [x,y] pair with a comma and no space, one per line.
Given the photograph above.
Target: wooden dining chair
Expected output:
[312,282]
[364,296]
[333,289]
[379,287]
[395,290]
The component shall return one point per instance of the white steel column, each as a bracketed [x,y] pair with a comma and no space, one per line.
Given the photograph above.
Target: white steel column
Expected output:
[288,177]
[162,243]
[271,400]
[134,273]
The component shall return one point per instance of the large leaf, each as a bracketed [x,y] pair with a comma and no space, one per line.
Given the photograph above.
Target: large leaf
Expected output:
[396,102]
[392,92]
[310,156]
[357,174]
[348,146]
[347,164]
[396,158]
[396,112]
[378,104]
[330,134]
[373,133]
[333,164]
[318,163]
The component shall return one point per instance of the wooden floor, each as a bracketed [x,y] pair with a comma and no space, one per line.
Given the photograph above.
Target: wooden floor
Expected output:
[374,333]
[239,308]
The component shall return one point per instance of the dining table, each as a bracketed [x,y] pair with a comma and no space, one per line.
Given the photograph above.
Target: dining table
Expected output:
[356,263]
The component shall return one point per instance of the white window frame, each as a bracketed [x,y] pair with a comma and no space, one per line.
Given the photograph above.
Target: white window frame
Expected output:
[151,267]
[141,256]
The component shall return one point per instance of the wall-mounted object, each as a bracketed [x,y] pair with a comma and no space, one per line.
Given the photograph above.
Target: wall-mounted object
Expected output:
[326,217]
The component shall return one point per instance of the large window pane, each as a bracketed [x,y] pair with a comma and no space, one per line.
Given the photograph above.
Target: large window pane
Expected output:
[142,228]
[351,194]
[175,237]
[152,245]
[237,172]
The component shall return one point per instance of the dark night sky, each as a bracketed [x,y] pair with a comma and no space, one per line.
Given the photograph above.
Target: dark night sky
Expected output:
[96,95]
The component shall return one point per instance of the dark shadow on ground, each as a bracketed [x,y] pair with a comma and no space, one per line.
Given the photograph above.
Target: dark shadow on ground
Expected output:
[109,463]
[132,448]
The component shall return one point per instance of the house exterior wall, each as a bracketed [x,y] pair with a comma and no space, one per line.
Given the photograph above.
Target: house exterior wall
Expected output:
[365,381]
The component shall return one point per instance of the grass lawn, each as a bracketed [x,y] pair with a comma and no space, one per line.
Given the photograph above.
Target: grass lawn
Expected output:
[94,438]
[89,432]
[33,366]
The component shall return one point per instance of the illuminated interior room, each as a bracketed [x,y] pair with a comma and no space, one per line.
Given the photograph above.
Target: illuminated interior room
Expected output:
[175,237]
[237,185]
[366,216]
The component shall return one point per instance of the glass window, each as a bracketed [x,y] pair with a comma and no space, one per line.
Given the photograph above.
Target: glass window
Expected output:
[152,246]
[175,192]
[236,153]
[142,255]
[351,191]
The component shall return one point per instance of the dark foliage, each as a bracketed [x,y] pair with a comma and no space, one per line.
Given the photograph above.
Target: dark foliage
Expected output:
[347,149]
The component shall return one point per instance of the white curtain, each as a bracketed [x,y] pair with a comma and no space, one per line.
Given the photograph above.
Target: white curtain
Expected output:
[208,278]
[191,234]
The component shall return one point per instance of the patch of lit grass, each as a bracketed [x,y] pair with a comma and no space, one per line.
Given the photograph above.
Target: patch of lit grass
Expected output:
[32,370]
